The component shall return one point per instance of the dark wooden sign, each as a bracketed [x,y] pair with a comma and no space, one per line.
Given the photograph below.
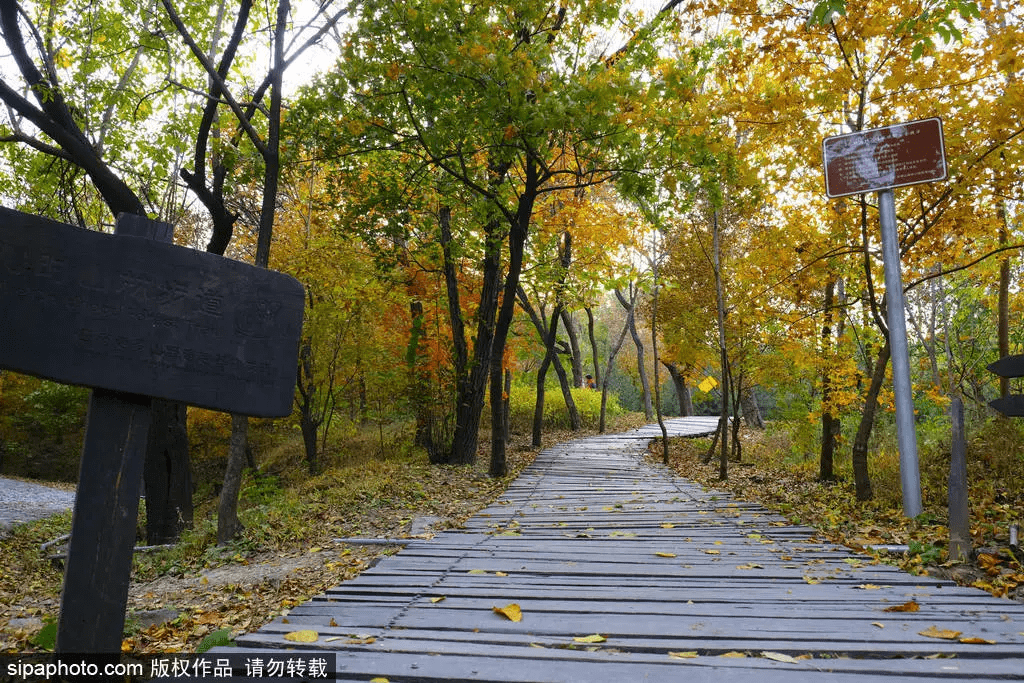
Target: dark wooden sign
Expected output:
[884,158]
[135,317]
[138,316]
[1009,366]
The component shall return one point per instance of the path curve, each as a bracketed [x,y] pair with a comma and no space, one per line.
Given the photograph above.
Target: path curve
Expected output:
[679,583]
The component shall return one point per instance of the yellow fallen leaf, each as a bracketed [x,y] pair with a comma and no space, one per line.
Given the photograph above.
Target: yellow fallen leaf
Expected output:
[477,571]
[665,554]
[205,580]
[910,606]
[733,655]
[712,552]
[333,622]
[683,655]
[439,598]
[315,549]
[596,638]
[811,580]
[779,657]
[512,612]
[500,574]
[974,640]
[332,639]
[668,525]
[868,587]
[878,624]
[944,634]
[305,636]
[379,679]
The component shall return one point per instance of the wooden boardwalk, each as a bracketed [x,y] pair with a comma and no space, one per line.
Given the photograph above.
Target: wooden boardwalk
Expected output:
[681,584]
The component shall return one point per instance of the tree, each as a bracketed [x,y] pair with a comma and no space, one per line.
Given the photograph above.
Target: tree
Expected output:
[490,104]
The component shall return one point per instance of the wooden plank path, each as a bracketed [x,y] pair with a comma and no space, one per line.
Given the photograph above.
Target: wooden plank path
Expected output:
[592,540]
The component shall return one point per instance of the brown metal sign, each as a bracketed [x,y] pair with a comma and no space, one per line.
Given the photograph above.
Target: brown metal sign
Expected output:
[884,158]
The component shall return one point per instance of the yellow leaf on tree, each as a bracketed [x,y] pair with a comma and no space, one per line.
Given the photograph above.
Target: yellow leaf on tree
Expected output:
[944,634]
[512,612]
[305,636]
[596,638]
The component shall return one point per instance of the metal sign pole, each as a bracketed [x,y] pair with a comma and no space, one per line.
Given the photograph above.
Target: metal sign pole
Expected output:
[905,430]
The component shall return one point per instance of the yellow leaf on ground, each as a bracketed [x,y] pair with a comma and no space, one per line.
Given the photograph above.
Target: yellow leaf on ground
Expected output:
[437,599]
[944,634]
[500,574]
[369,640]
[712,552]
[305,636]
[512,612]
[878,624]
[665,554]
[668,525]
[910,606]
[683,655]
[379,679]
[975,640]
[596,638]
[734,655]
[868,587]
[477,571]
[779,657]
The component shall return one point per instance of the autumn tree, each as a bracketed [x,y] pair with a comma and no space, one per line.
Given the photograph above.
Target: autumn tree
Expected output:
[491,107]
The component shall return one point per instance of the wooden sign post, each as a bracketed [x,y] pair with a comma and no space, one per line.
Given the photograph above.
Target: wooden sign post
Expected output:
[135,318]
[880,160]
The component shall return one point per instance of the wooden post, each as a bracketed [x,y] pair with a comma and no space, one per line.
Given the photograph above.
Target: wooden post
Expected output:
[96,576]
[959,511]
[99,564]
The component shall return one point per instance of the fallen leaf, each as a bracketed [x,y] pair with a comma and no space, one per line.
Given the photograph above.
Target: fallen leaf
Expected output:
[437,599]
[333,622]
[512,612]
[779,657]
[665,554]
[379,679]
[733,655]
[910,606]
[477,571]
[712,552]
[944,634]
[683,655]
[878,624]
[752,565]
[500,574]
[369,640]
[668,525]
[596,638]
[868,587]
[975,640]
[305,636]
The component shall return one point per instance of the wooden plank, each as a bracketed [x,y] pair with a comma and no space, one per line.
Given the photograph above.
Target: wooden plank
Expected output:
[1008,366]
[575,569]
[138,316]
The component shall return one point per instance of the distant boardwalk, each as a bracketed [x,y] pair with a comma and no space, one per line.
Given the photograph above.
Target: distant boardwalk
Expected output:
[624,572]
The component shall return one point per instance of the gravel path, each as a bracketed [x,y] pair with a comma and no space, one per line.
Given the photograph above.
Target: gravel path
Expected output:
[22,501]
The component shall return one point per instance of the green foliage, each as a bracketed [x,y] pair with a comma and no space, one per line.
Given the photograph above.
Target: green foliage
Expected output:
[42,425]
[46,639]
[523,399]
[219,638]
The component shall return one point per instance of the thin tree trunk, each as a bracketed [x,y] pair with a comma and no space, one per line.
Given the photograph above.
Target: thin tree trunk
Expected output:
[654,351]
[645,385]
[828,432]
[574,347]
[612,353]
[1004,299]
[861,476]
[593,346]
[228,524]
[723,461]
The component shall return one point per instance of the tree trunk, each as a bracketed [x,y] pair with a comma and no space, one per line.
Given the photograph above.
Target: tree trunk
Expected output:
[683,397]
[1004,299]
[518,232]
[593,346]
[751,410]
[168,477]
[228,524]
[645,385]
[828,431]
[723,460]
[612,353]
[574,347]
[862,478]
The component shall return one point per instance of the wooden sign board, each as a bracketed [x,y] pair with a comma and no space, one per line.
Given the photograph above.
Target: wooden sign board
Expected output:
[884,158]
[1008,366]
[138,316]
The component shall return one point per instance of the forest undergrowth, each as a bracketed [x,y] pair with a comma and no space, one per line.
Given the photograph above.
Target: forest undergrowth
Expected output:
[780,475]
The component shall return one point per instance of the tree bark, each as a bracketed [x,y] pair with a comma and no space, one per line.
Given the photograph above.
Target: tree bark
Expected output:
[645,385]
[828,429]
[751,409]
[168,477]
[723,460]
[228,524]
[861,476]
[576,355]
[593,346]
[610,363]
[683,396]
